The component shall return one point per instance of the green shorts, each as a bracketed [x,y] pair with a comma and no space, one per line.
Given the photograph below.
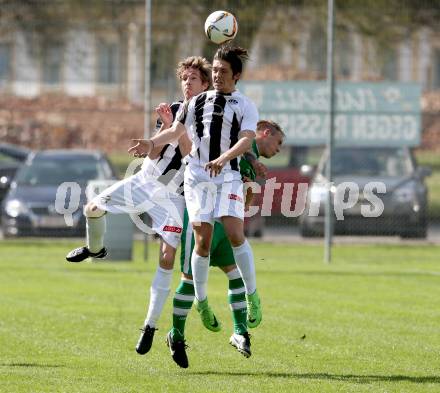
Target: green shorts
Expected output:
[221,250]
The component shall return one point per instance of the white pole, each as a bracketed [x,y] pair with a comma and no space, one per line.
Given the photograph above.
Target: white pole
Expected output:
[147,83]
[147,90]
[331,109]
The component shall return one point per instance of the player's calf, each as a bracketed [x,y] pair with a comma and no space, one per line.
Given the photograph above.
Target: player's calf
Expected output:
[95,236]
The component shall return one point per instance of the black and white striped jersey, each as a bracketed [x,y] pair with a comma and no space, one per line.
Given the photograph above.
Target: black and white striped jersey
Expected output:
[213,121]
[168,168]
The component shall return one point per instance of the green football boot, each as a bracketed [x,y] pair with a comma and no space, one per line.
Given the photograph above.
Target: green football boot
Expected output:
[254,314]
[208,318]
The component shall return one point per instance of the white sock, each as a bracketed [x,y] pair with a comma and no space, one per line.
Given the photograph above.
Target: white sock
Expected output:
[160,288]
[233,274]
[245,262]
[95,229]
[200,269]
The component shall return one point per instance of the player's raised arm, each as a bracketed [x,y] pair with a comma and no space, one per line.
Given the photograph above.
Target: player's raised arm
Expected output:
[164,121]
[143,147]
[185,144]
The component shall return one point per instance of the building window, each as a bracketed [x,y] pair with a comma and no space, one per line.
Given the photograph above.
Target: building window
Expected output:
[343,55]
[5,63]
[389,64]
[317,49]
[270,54]
[108,63]
[436,69]
[162,68]
[52,63]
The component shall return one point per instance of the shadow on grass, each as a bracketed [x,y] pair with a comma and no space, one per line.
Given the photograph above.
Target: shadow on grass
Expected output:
[332,377]
[121,269]
[72,270]
[409,274]
[41,365]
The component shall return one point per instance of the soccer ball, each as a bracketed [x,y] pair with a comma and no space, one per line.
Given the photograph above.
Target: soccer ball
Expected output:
[221,26]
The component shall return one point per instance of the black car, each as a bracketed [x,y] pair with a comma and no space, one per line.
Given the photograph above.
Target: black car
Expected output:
[29,207]
[11,158]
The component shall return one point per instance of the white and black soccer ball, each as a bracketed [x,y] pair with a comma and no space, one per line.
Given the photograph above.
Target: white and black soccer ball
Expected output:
[221,26]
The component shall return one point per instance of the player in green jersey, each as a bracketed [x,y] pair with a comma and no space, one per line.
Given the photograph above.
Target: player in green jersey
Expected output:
[267,143]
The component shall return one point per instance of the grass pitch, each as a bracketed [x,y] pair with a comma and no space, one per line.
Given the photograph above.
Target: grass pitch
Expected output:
[369,322]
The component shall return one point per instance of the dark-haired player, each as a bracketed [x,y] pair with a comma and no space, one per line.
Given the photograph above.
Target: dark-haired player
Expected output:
[221,124]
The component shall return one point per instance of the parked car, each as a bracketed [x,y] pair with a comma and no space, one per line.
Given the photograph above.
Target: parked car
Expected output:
[283,168]
[11,158]
[404,202]
[29,207]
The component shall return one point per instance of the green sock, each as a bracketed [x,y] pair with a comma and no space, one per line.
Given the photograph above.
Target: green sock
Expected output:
[237,301]
[182,303]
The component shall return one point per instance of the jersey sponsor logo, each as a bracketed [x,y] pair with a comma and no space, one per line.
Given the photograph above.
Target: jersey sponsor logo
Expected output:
[233,101]
[235,197]
[218,110]
[171,228]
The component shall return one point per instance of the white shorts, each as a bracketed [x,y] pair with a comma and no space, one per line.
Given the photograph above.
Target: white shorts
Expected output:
[208,199]
[141,193]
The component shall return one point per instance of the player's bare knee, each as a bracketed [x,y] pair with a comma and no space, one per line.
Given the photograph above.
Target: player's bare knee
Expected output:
[202,249]
[167,256]
[186,276]
[202,236]
[236,239]
[228,268]
[202,245]
[166,260]
[93,211]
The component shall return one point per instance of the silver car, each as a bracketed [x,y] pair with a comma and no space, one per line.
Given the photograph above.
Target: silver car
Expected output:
[376,191]
[29,207]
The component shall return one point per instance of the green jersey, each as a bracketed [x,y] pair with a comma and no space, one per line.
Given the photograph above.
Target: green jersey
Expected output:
[246,168]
